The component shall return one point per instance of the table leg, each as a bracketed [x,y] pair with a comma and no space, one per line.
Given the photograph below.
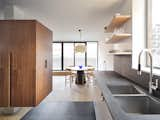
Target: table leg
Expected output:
[80,79]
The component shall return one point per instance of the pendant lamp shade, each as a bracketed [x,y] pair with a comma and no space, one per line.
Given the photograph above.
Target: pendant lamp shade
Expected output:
[80,47]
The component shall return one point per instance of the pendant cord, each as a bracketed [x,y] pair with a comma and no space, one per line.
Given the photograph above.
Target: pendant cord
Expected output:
[80,33]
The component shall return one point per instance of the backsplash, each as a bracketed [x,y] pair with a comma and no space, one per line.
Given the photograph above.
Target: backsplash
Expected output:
[123,66]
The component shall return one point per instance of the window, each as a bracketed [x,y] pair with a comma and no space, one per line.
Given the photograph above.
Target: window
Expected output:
[57,56]
[92,54]
[154,31]
[64,55]
[68,54]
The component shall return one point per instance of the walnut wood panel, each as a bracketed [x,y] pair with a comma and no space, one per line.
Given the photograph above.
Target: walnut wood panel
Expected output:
[23,63]
[43,62]
[4,80]
[4,65]
[25,71]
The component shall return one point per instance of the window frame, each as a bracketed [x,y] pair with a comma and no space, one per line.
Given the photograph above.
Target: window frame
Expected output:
[149,31]
[62,52]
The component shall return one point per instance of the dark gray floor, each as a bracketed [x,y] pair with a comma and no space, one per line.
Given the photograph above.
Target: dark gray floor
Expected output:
[62,111]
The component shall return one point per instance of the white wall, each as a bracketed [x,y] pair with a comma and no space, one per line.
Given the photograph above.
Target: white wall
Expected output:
[126,7]
[105,61]
[138,29]
[10,11]
[18,13]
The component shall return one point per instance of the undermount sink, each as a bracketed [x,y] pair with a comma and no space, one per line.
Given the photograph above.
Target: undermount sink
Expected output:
[123,89]
[138,104]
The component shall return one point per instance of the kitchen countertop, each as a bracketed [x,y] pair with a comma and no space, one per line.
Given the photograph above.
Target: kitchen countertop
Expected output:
[112,78]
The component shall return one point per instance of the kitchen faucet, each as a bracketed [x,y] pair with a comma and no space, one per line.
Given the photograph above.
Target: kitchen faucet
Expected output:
[151,84]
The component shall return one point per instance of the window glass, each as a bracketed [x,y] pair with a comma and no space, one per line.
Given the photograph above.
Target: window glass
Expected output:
[74,54]
[57,56]
[68,49]
[92,54]
[154,31]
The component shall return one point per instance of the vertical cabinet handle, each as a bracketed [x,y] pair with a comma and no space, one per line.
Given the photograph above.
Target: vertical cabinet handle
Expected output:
[10,57]
[45,64]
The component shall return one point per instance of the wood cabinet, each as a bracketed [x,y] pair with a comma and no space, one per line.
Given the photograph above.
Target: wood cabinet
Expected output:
[25,63]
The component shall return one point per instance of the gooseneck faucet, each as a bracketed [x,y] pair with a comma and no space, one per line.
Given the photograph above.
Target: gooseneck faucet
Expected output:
[151,67]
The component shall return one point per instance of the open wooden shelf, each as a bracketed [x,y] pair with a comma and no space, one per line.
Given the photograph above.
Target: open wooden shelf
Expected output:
[120,53]
[116,22]
[118,37]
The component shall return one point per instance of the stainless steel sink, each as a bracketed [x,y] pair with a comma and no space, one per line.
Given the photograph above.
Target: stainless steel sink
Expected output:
[138,104]
[123,89]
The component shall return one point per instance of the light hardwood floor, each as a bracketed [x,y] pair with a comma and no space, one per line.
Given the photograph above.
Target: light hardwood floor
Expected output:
[75,93]
[62,93]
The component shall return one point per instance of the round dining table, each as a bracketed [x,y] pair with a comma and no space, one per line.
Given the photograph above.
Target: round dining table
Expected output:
[80,77]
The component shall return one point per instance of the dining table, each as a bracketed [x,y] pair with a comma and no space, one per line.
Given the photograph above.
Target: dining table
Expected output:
[80,70]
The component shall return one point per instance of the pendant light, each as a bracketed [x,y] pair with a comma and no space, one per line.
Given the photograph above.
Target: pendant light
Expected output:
[80,47]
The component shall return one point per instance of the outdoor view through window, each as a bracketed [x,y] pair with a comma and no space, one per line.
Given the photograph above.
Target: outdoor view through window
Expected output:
[64,55]
[154,27]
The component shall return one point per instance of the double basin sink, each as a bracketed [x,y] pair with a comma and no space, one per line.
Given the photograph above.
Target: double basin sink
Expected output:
[134,101]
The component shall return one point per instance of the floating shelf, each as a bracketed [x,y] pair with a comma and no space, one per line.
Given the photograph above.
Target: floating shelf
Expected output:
[118,37]
[116,22]
[120,53]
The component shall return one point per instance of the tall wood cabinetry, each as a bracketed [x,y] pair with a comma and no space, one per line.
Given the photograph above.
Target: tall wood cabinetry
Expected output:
[25,63]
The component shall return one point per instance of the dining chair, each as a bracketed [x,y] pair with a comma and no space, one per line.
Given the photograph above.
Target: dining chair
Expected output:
[73,73]
[67,74]
[90,76]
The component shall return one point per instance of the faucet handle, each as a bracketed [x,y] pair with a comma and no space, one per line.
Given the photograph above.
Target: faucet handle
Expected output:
[139,69]
[155,84]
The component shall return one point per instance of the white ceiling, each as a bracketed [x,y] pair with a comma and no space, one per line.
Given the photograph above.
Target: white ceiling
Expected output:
[65,16]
